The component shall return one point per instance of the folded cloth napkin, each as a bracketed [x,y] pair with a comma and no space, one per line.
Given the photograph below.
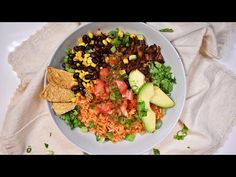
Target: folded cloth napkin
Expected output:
[209,111]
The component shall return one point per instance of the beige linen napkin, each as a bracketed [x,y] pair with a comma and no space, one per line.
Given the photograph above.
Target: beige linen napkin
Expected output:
[209,112]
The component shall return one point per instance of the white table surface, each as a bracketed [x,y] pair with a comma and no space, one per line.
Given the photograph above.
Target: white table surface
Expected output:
[12,34]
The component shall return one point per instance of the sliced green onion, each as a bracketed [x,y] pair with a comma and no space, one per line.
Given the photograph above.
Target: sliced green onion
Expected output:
[159,124]
[164,110]
[109,135]
[132,57]
[89,51]
[67,50]
[46,145]
[91,105]
[181,134]
[84,129]
[100,139]
[50,152]
[156,151]
[91,124]
[122,119]
[166,30]
[113,49]
[130,137]
[66,59]
[68,68]
[29,149]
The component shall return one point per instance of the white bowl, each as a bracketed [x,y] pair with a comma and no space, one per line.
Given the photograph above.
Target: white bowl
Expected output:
[87,141]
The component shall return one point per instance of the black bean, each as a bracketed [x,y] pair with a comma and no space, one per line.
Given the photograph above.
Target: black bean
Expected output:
[85,68]
[71,62]
[86,38]
[93,55]
[88,76]
[76,75]
[82,92]
[95,76]
[81,48]
[63,65]
[90,69]
[95,60]
[81,86]
[75,88]
[104,65]
[100,44]
[77,48]
[95,43]
[80,67]
[71,55]
[73,66]
[88,47]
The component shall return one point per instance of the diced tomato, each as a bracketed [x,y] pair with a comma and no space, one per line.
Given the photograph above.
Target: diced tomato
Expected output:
[133,103]
[99,86]
[123,108]
[113,62]
[121,86]
[157,110]
[128,95]
[105,108]
[104,72]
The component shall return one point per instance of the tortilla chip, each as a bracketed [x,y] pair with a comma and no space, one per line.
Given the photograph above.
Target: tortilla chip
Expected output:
[56,94]
[60,78]
[61,108]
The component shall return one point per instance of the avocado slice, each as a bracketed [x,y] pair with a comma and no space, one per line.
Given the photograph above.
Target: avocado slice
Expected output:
[161,99]
[144,96]
[136,80]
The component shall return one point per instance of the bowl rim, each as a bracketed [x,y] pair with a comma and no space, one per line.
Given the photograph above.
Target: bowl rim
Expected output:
[184,89]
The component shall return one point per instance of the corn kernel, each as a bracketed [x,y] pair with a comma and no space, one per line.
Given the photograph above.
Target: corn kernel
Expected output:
[84,84]
[90,35]
[88,85]
[78,94]
[89,61]
[132,35]
[86,55]
[92,42]
[122,72]
[94,81]
[108,40]
[77,71]
[81,75]
[80,59]
[78,54]
[82,44]
[80,40]
[104,42]
[107,59]
[140,37]
[85,80]
[93,65]
[125,61]
[120,33]
[75,58]
[85,64]
[77,64]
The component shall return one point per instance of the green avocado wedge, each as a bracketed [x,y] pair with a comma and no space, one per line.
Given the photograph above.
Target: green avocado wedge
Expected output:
[161,99]
[147,116]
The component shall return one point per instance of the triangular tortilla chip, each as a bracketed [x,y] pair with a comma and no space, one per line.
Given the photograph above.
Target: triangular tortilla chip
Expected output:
[61,108]
[57,94]
[60,78]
